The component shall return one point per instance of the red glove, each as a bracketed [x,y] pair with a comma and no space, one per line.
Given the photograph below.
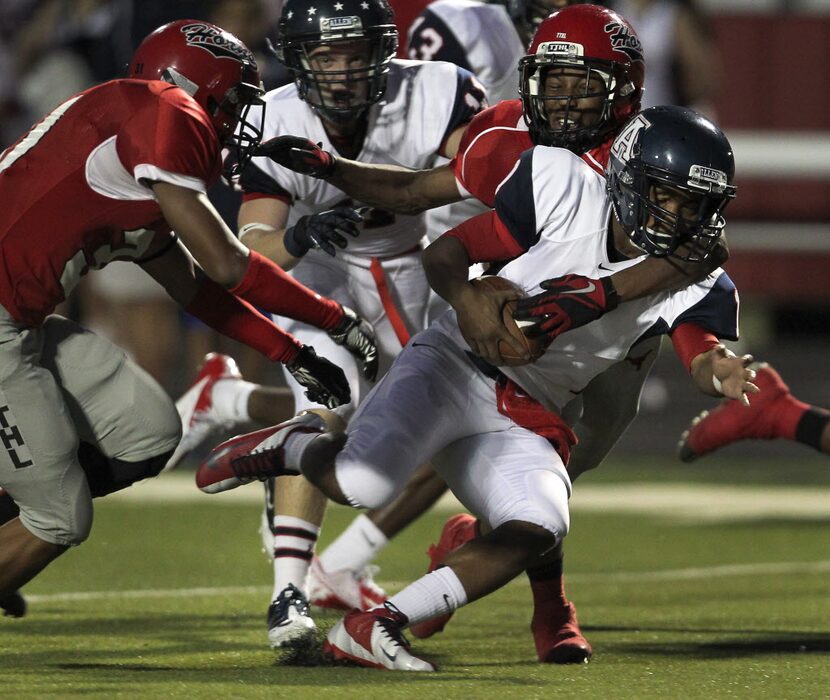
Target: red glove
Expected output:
[298,154]
[567,302]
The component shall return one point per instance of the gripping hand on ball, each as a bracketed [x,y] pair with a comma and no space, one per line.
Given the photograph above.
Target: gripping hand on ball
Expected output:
[298,154]
[567,302]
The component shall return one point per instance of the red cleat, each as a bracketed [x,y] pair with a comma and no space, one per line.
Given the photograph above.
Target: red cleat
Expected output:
[731,421]
[374,639]
[196,408]
[558,638]
[458,530]
[253,456]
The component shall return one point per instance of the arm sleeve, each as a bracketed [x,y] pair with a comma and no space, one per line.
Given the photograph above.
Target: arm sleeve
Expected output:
[487,239]
[267,286]
[689,341]
[169,139]
[430,39]
[237,319]
[470,99]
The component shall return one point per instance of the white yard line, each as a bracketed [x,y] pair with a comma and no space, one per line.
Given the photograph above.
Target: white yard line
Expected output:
[689,574]
[684,501]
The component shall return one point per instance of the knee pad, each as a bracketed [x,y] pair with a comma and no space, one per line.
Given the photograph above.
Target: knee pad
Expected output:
[106,475]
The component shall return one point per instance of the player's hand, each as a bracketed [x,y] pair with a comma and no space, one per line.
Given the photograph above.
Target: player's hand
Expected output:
[324,381]
[298,154]
[358,337]
[479,311]
[735,377]
[324,231]
[567,302]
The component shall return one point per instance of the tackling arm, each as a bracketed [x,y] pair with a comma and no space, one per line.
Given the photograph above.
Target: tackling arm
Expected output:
[387,187]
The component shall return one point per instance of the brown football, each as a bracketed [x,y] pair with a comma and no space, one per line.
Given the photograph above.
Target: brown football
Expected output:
[535,346]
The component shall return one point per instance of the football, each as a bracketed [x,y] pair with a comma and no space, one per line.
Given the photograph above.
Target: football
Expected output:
[535,346]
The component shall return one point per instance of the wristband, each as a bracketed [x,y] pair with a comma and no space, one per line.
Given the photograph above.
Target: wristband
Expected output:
[292,245]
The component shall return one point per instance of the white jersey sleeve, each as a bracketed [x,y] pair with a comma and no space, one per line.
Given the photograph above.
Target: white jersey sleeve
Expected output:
[474,35]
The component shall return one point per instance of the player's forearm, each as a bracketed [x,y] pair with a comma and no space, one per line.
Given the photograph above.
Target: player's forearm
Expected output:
[268,241]
[400,190]
[446,264]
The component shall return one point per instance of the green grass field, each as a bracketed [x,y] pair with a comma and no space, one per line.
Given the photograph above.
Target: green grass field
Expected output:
[168,599]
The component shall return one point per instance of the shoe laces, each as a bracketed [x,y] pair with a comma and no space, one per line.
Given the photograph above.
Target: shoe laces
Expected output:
[391,621]
[258,464]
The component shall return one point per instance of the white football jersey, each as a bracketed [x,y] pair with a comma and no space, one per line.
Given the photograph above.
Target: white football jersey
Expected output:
[557,207]
[474,35]
[423,104]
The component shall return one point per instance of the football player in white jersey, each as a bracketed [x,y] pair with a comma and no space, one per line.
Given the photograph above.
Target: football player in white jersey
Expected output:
[571,41]
[669,179]
[350,95]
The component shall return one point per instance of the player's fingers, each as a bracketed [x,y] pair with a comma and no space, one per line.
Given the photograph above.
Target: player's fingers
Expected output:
[751,388]
[348,228]
[337,239]
[326,247]
[519,348]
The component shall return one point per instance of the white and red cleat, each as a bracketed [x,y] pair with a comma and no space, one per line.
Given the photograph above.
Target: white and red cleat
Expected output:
[196,408]
[458,530]
[375,639]
[731,421]
[254,456]
[558,638]
[344,589]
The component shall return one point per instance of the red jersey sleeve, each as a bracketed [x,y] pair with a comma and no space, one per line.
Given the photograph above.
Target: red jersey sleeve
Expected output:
[489,149]
[170,133]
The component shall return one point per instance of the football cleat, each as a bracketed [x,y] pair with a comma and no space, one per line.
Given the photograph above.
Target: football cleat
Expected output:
[13,605]
[288,620]
[343,589]
[253,456]
[731,421]
[196,408]
[375,639]
[558,638]
[457,530]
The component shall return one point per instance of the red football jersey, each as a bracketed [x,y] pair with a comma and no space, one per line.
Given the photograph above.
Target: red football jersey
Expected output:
[74,188]
[491,146]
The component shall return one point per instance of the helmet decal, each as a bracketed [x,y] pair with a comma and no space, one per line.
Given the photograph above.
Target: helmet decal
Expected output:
[624,40]
[219,43]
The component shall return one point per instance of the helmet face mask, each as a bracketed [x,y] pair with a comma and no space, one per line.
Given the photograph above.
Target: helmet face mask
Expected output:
[213,67]
[670,178]
[339,60]
[597,44]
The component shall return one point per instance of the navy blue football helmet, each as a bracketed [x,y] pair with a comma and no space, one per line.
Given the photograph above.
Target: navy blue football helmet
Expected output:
[308,24]
[670,176]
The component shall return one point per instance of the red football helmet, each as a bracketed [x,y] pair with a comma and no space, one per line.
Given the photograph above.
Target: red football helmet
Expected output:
[598,43]
[212,66]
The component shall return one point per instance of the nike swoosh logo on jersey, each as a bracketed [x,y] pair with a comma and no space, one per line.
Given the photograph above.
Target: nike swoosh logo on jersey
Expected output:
[602,267]
[422,345]
[587,290]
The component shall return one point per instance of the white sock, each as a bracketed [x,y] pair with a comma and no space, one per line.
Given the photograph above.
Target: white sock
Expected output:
[356,546]
[294,540]
[436,593]
[230,399]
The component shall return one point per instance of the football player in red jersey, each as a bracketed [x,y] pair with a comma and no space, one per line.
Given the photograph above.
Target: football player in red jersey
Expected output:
[119,172]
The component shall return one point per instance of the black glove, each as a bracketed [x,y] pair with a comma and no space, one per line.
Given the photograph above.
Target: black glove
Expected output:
[325,382]
[321,230]
[358,337]
[567,302]
[298,154]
